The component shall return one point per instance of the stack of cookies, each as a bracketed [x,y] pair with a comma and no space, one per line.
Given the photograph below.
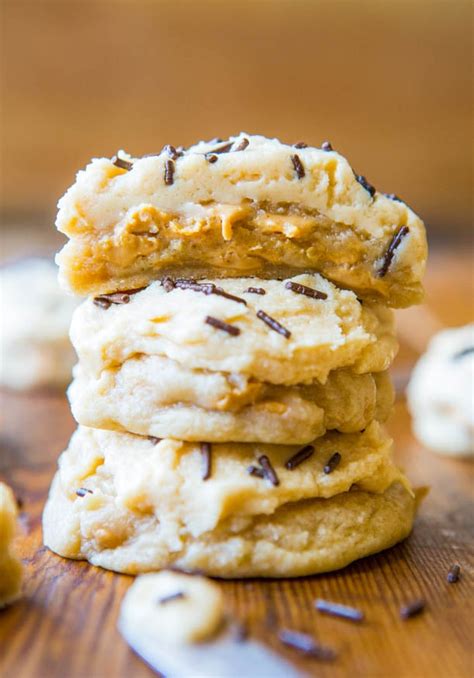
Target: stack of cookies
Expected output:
[233,352]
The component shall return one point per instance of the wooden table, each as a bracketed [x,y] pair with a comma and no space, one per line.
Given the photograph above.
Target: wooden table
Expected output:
[65,627]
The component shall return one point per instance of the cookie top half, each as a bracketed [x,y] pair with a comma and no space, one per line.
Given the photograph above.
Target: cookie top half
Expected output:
[247,206]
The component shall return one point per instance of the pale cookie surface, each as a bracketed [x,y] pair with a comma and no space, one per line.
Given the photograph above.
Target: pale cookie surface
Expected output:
[267,210]
[10,566]
[173,608]
[34,342]
[302,538]
[441,396]
[325,334]
[151,395]
[140,505]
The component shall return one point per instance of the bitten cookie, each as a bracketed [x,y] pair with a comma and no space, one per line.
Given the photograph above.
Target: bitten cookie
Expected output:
[249,206]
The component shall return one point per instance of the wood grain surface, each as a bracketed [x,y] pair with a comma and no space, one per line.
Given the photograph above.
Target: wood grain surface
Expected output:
[65,626]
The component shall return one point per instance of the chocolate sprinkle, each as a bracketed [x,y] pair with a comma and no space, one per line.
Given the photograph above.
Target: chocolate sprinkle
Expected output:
[256,290]
[168,284]
[392,196]
[300,144]
[115,298]
[412,609]
[256,471]
[207,288]
[154,440]
[273,324]
[222,293]
[326,146]
[184,284]
[123,164]
[268,469]
[389,254]
[306,645]
[169,172]
[332,463]
[105,300]
[211,157]
[102,303]
[298,458]
[462,354]
[365,184]
[221,325]
[453,575]
[222,149]
[303,289]
[82,491]
[337,610]
[206,460]
[298,166]
[179,595]
[173,153]
[241,146]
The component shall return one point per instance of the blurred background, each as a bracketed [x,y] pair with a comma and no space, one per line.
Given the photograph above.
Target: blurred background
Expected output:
[388,82]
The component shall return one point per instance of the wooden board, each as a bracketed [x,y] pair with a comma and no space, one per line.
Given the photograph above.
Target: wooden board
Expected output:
[65,627]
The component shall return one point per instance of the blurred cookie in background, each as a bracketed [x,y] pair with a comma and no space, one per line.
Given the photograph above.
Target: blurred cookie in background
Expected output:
[441,394]
[35,350]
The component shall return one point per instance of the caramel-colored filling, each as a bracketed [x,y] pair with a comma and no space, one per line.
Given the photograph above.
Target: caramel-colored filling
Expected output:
[236,240]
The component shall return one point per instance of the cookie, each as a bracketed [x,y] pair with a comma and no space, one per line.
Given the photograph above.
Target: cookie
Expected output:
[250,206]
[114,489]
[177,608]
[34,344]
[440,395]
[302,538]
[10,565]
[280,337]
[152,395]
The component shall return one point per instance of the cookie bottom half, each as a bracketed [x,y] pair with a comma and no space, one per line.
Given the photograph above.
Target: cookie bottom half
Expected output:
[299,538]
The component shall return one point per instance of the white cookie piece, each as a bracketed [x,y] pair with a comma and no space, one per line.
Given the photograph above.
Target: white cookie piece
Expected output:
[268,210]
[35,349]
[152,395]
[441,393]
[173,608]
[10,566]
[326,334]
